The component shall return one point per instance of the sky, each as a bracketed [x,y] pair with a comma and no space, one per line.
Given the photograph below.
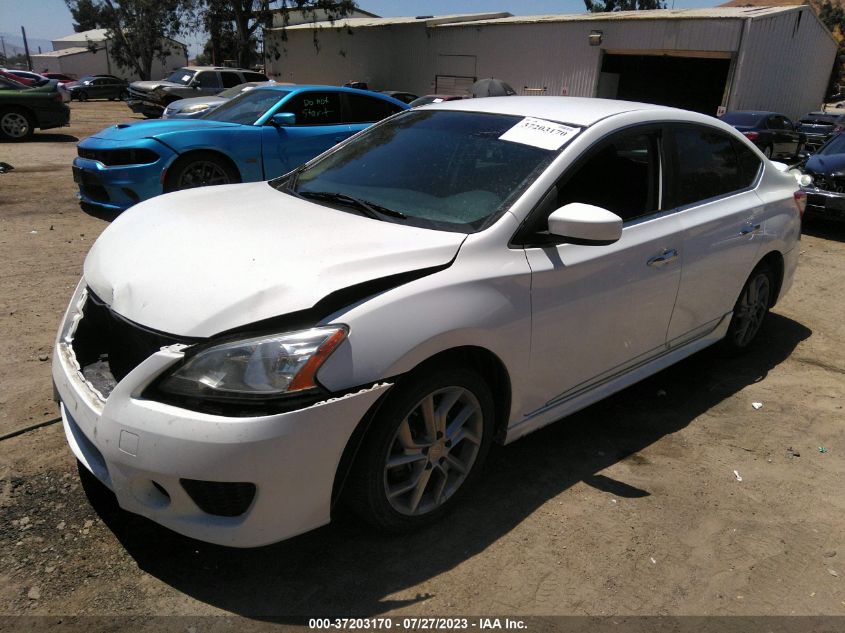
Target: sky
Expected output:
[46,20]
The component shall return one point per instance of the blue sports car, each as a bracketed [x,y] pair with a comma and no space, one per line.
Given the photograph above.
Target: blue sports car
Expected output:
[258,135]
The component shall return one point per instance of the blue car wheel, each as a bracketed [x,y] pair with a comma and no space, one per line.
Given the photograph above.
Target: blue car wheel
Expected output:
[200,169]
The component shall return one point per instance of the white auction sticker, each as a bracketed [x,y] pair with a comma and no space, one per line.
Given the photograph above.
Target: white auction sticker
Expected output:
[540,133]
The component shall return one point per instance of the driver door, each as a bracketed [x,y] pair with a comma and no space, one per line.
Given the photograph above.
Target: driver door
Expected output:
[600,310]
[319,126]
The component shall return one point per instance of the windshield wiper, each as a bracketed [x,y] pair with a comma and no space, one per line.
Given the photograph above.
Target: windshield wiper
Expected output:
[370,209]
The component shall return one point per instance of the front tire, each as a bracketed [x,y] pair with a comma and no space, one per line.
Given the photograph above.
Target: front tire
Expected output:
[767,151]
[425,448]
[200,169]
[750,311]
[82,95]
[16,124]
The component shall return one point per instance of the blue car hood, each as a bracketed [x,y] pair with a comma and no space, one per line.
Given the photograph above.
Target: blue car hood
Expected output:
[826,164]
[137,130]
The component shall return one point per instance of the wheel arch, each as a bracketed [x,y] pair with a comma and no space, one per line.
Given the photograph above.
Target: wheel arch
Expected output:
[488,365]
[201,150]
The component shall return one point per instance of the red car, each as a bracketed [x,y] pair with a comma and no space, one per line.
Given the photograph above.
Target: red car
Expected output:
[62,79]
[21,80]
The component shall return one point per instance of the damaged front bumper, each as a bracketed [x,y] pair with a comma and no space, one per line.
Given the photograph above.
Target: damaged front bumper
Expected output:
[829,204]
[235,481]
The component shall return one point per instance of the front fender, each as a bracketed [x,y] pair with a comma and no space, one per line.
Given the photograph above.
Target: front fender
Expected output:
[482,300]
[241,145]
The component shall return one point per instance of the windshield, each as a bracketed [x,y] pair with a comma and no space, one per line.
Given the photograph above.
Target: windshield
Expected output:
[181,76]
[444,170]
[247,107]
[749,119]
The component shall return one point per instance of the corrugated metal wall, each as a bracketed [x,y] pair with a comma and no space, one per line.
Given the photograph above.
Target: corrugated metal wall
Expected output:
[784,64]
[555,58]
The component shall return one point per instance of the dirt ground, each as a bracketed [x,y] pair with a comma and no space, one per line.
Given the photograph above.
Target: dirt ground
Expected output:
[630,507]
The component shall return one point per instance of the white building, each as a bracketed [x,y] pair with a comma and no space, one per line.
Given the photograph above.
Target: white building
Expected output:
[87,53]
[772,58]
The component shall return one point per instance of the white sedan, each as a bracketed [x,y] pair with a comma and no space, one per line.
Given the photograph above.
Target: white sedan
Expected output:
[236,360]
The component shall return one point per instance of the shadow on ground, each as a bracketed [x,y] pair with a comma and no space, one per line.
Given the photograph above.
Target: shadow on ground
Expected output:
[49,137]
[347,569]
[98,212]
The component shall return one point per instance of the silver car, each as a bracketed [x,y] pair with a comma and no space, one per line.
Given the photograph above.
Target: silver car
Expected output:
[196,106]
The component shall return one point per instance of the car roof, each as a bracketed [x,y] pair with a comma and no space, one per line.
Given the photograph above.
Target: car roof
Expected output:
[243,70]
[755,112]
[582,111]
[309,87]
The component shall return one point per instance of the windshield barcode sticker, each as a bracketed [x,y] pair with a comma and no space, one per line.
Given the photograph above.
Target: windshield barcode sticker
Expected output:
[540,133]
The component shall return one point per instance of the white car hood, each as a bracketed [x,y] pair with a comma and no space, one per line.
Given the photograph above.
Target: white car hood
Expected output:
[199,262]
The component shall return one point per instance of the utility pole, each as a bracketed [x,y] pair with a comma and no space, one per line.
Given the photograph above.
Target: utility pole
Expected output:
[26,48]
[3,42]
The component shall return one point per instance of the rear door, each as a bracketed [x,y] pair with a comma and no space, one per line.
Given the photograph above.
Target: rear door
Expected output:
[319,126]
[207,83]
[713,193]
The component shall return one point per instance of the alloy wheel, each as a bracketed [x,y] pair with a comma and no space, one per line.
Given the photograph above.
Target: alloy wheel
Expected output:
[433,451]
[202,173]
[14,125]
[752,308]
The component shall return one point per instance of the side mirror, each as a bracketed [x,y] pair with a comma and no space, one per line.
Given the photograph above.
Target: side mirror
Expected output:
[283,119]
[585,224]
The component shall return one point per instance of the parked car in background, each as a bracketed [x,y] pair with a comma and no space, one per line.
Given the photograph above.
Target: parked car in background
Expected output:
[404,97]
[194,107]
[818,127]
[426,99]
[60,77]
[99,87]
[25,81]
[824,180]
[237,361]
[150,98]
[23,109]
[26,74]
[257,135]
[772,132]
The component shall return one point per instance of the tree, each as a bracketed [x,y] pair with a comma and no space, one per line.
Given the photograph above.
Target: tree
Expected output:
[86,15]
[603,6]
[833,16]
[243,18]
[138,29]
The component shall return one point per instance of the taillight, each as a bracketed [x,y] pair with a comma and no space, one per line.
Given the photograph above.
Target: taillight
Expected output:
[751,136]
[838,129]
[800,201]
[57,97]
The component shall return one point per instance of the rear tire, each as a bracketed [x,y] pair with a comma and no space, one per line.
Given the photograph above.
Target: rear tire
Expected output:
[750,311]
[16,124]
[124,95]
[424,450]
[767,151]
[82,95]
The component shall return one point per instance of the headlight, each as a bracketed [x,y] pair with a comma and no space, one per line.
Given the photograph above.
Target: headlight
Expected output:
[262,367]
[805,180]
[197,107]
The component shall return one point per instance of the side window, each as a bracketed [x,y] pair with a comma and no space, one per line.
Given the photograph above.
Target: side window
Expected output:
[784,123]
[315,108]
[706,165]
[749,164]
[230,79]
[622,176]
[254,77]
[207,80]
[361,109]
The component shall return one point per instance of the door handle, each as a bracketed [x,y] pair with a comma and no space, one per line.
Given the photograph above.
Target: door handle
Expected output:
[750,228]
[667,256]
